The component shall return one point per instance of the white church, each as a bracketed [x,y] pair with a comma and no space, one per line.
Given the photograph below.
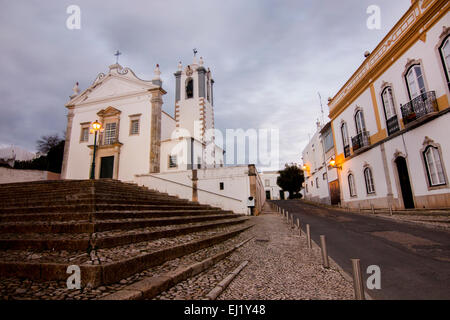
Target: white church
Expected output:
[139,142]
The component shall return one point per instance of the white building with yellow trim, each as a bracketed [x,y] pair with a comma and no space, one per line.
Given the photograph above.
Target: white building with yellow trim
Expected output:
[391,119]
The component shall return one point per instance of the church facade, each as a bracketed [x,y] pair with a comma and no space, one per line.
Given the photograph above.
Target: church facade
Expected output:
[137,136]
[140,143]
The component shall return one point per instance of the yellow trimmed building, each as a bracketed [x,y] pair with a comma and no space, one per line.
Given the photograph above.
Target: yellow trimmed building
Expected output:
[391,119]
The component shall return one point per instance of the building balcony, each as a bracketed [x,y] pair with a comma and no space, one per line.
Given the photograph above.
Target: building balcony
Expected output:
[419,107]
[392,125]
[361,140]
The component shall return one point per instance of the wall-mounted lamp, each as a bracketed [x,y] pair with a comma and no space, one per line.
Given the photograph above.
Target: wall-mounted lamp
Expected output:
[333,164]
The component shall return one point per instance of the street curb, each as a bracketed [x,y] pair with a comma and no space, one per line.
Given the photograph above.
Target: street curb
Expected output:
[343,273]
[214,293]
[151,287]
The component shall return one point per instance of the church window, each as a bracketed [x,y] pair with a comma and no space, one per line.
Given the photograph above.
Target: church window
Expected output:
[110,133]
[84,137]
[173,162]
[222,187]
[134,127]
[189,88]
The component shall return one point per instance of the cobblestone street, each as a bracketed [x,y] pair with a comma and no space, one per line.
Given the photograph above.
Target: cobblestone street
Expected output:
[280,267]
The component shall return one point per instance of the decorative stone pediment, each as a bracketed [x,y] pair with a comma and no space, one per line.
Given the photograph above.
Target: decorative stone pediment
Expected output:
[119,82]
[109,112]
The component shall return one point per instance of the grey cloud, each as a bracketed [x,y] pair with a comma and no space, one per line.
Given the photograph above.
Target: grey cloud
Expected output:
[269,58]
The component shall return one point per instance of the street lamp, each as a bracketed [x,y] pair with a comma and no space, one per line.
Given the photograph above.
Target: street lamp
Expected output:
[96,127]
[333,164]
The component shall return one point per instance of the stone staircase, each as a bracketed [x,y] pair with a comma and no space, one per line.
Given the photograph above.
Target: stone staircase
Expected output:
[110,229]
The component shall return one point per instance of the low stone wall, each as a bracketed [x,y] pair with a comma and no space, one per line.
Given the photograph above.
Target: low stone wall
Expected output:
[8,175]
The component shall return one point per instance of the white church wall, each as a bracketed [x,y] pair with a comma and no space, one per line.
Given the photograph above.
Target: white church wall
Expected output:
[236,186]
[8,175]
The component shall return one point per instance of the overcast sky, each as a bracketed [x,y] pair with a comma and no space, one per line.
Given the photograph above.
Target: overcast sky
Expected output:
[268,58]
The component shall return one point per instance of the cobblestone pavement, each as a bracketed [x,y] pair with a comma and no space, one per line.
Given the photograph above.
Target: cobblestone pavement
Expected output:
[281,267]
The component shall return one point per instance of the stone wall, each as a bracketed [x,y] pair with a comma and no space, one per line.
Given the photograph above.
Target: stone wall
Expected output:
[13,175]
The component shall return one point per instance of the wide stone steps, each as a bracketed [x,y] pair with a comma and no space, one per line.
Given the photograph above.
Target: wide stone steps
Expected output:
[84,226]
[107,239]
[71,216]
[100,207]
[60,202]
[107,266]
[110,229]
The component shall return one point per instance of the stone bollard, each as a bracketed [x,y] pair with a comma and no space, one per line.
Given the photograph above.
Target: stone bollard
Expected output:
[323,246]
[308,236]
[358,282]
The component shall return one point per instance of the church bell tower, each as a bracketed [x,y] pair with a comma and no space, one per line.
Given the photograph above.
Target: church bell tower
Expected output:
[194,103]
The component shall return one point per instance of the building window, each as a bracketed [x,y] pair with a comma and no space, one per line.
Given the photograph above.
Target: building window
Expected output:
[445,56]
[388,102]
[370,187]
[328,141]
[435,170]
[173,162]
[134,127]
[389,110]
[317,183]
[351,185]
[324,177]
[359,122]
[267,182]
[221,185]
[84,136]
[110,133]
[415,81]
[189,88]
[345,140]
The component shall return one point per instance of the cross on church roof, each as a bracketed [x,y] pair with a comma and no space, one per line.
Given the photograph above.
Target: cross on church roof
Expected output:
[117,54]
[195,51]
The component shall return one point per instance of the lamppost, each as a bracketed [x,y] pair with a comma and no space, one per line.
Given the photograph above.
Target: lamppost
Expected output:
[96,126]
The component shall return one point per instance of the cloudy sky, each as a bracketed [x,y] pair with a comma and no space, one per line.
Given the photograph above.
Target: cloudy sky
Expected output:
[269,58]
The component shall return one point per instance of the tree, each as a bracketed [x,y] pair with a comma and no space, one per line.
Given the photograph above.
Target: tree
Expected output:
[45,143]
[291,179]
[52,161]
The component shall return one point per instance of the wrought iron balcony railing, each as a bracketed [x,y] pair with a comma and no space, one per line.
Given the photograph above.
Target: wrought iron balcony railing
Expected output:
[361,140]
[421,106]
[392,125]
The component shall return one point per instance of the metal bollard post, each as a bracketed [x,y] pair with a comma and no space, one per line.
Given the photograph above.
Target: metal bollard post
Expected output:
[308,236]
[323,245]
[299,227]
[390,210]
[358,282]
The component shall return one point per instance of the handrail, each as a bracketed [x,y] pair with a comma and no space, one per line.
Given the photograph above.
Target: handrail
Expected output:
[190,187]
